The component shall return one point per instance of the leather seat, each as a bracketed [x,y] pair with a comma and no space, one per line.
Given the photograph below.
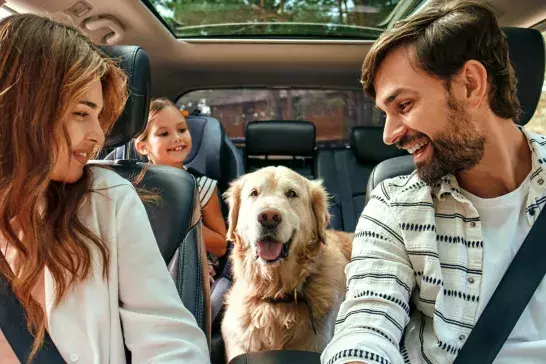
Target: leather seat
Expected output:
[277,357]
[175,220]
[527,53]
[291,143]
[345,173]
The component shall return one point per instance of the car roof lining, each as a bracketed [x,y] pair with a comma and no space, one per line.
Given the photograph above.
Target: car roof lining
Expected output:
[179,66]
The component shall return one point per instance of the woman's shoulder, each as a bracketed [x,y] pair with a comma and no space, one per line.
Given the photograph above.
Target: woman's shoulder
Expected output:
[109,183]
[104,177]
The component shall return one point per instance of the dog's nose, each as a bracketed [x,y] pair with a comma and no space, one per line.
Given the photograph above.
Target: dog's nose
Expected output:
[270,218]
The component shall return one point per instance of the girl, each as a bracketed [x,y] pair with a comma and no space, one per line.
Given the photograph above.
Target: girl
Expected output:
[167,140]
[76,245]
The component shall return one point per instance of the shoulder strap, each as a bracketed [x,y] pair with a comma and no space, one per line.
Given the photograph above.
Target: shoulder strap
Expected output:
[345,195]
[14,327]
[509,300]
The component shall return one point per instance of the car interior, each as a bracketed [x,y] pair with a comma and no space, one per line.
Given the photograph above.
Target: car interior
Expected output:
[257,97]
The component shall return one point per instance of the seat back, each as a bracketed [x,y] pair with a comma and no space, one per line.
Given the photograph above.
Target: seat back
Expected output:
[213,154]
[345,172]
[527,54]
[175,220]
[280,143]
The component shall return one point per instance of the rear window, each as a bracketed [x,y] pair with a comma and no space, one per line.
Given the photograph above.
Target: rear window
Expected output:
[334,112]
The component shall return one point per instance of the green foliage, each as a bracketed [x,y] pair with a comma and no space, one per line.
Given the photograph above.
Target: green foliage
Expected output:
[354,18]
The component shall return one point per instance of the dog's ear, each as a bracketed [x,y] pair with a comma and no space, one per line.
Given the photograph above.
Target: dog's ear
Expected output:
[233,198]
[319,203]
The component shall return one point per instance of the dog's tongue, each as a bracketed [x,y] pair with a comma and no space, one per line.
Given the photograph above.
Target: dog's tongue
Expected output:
[269,250]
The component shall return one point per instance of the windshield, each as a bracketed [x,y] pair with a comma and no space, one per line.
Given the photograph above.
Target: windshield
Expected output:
[362,19]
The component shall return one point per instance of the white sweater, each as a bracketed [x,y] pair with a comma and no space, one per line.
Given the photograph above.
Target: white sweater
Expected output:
[139,295]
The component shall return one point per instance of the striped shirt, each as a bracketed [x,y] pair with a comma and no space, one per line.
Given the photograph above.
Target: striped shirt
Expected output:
[206,187]
[413,283]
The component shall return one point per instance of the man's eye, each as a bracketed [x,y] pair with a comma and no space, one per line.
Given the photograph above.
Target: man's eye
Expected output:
[405,107]
[291,194]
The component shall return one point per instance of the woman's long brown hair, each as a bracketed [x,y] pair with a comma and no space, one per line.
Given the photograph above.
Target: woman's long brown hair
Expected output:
[45,68]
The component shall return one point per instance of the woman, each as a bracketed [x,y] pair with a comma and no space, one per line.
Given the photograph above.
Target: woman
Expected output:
[77,247]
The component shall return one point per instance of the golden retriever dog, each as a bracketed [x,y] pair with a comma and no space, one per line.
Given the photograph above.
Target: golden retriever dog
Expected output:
[288,269]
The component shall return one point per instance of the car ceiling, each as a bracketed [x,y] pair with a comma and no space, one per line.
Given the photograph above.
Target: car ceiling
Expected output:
[180,66]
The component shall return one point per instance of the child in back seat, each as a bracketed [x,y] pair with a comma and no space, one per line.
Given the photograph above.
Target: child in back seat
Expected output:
[167,141]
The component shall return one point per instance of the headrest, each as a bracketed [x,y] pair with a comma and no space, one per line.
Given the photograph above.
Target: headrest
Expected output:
[136,64]
[527,53]
[207,136]
[368,147]
[279,137]
[399,166]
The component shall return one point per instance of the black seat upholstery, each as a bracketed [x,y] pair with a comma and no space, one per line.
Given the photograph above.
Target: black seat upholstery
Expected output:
[136,64]
[527,53]
[277,357]
[345,173]
[213,154]
[280,142]
[175,219]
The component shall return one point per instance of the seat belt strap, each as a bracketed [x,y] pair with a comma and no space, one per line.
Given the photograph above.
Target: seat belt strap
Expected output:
[502,312]
[345,194]
[13,324]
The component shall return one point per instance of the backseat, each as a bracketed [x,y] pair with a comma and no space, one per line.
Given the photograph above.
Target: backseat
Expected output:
[345,172]
[280,143]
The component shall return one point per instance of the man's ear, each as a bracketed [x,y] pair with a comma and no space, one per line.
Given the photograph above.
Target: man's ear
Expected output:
[142,147]
[319,203]
[474,78]
[233,198]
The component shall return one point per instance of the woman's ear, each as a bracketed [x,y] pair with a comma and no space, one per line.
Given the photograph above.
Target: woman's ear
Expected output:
[319,203]
[142,147]
[233,198]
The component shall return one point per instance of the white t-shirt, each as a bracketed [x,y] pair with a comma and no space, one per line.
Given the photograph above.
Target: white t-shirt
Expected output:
[505,226]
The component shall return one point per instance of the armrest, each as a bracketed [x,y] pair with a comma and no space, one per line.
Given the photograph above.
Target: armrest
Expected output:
[277,357]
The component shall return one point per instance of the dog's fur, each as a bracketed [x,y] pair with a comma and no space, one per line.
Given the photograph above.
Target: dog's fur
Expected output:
[314,265]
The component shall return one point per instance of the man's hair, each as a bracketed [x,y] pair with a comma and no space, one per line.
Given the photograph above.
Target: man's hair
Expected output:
[444,37]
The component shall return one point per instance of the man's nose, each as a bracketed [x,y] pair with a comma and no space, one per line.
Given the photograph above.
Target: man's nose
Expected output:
[394,130]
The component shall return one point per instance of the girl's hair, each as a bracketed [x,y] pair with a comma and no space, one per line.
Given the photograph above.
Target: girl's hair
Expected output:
[45,68]
[156,105]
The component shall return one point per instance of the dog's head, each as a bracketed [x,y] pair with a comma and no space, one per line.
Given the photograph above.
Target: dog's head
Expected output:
[275,214]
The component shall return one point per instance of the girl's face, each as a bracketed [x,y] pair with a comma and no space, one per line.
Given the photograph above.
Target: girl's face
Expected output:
[84,133]
[169,140]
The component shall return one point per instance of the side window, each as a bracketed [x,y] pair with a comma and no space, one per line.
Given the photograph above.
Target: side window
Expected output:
[538,122]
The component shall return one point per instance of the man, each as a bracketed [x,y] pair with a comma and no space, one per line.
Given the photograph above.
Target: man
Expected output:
[442,238]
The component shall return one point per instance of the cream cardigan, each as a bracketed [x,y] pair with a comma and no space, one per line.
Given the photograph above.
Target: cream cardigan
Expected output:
[139,295]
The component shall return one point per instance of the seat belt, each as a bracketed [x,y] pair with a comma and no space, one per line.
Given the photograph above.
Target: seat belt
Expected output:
[13,324]
[509,300]
[345,195]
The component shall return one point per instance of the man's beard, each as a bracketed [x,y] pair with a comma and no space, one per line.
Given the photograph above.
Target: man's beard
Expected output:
[460,147]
